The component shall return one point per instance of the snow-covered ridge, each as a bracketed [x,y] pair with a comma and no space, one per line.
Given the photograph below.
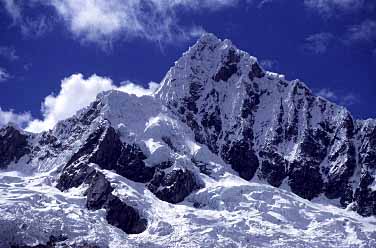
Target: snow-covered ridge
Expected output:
[190,165]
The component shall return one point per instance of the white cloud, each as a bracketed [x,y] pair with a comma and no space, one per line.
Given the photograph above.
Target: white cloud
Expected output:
[349,100]
[31,27]
[264,2]
[331,7]
[269,64]
[138,90]
[364,32]
[8,53]
[318,43]
[341,97]
[76,93]
[20,120]
[13,9]
[4,75]
[327,93]
[155,20]
[103,21]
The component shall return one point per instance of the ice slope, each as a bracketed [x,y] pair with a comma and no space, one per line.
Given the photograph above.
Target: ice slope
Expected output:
[231,213]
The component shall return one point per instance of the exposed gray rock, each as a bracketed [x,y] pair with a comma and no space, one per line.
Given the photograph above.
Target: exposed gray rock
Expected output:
[132,166]
[173,186]
[13,145]
[118,213]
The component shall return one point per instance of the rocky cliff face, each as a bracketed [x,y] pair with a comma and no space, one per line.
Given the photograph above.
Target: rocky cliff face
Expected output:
[265,126]
[13,145]
[216,108]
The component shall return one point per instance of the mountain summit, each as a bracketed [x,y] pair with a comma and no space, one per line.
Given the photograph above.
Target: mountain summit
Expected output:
[223,154]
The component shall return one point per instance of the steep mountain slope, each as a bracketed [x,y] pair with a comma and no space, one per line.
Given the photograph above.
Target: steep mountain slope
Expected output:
[174,169]
[259,123]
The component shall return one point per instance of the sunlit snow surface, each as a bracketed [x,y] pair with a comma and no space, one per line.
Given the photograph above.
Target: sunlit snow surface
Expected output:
[232,213]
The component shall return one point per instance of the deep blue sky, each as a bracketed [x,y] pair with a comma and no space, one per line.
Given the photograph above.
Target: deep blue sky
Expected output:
[331,50]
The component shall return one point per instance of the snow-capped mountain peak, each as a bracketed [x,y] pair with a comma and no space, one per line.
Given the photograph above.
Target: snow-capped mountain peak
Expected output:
[196,158]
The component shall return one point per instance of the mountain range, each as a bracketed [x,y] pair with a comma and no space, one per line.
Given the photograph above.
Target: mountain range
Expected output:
[222,154]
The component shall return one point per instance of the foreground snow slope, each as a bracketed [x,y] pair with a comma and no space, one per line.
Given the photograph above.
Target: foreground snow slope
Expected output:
[232,213]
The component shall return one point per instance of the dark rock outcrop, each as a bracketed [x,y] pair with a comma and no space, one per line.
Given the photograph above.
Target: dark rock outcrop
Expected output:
[104,148]
[305,180]
[365,194]
[125,217]
[242,158]
[118,213]
[229,66]
[99,192]
[132,166]
[13,145]
[173,186]
[255,72]
[274,168]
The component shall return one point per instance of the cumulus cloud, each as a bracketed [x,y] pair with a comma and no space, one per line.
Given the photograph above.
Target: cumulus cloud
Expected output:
[76,93]
[138,90]
[318,43]
[4,75]
[20,120]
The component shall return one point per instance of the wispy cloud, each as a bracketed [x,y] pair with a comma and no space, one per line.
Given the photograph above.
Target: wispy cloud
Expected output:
[4,75]
[340,97]
[263,3]
[334,7]
[269,64]
[318,43]
[327,93]
[349,100]
[154,20]
[8,53]
[32,27]
[13,9]
[103,21]
[364,32]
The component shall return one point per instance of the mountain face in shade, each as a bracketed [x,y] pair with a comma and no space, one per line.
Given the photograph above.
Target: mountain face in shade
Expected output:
[217,131]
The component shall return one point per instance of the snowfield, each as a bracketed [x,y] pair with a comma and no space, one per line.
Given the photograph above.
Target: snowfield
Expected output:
[228,212]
